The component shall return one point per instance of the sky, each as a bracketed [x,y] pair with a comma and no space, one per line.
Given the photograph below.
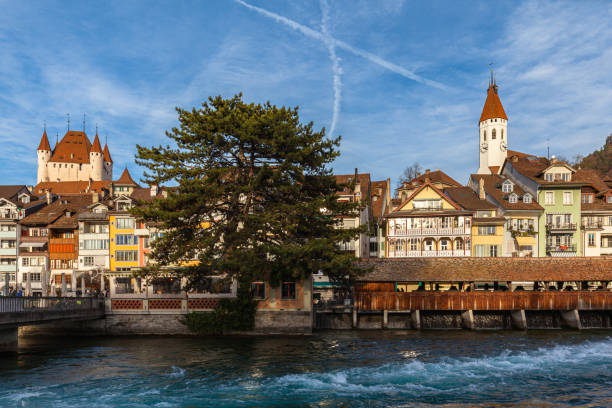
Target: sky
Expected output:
[400,81]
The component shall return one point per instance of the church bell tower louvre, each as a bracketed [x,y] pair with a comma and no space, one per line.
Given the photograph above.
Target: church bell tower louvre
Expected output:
[493,132]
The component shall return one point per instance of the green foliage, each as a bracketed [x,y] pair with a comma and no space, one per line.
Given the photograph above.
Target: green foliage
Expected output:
[600,160]
[230,315]
[255,198]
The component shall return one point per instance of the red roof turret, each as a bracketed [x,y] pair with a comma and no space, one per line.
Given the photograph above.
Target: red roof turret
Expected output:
[107,156]
[44,143]
[95,147]
[493,107]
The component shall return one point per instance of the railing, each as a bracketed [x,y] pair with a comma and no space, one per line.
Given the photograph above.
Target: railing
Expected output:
[412,232]
[592,224]
[377,301]
[429,254]
[561,248]
[561,227]
[18,304]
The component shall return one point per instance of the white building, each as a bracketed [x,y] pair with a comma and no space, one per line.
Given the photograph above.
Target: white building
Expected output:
[493,130]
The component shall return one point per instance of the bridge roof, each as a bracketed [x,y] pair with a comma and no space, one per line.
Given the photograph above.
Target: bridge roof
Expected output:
[488,269]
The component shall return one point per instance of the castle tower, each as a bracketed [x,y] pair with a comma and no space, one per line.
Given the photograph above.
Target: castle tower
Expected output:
[96,160]
[44,154]
[493,132]
[108,164]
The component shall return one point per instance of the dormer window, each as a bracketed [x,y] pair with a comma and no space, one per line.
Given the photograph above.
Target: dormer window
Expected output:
[548,177]
[513,198]
[527,198]
[24,198]
[507,186]
[609,199]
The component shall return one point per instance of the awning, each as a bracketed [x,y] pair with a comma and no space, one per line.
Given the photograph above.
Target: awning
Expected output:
[525,241]
[32,244]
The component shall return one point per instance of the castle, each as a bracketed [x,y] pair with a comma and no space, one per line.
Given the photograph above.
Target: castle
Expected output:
[74,158]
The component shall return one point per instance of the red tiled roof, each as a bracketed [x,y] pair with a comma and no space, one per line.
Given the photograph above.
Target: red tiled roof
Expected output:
[50,214]
[437,176]
[493,107]
[44,143]
[126,179]
[399,210]
[362,178]
[466,198]
[107,156]
[95,147]
[70,187]
[592,178]
[492,185]
[73,148]
[494,169]
[379,195]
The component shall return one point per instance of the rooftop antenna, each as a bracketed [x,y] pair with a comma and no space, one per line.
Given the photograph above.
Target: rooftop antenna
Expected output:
[492,79]
[96,128]
[68,116]
[44,125]
[56,138]
[548,148]
[84,115]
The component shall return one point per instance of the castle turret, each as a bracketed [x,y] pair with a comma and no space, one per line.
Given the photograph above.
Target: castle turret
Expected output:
[493,132]
[108,164]
[96,160]
[44,154]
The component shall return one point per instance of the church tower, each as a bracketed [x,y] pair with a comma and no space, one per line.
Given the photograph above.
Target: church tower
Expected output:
[493,132]
[96,160]
[44,154]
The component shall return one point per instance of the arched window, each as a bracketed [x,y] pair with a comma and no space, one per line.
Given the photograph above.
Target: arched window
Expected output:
[493,134]
[502,134]
[484,135]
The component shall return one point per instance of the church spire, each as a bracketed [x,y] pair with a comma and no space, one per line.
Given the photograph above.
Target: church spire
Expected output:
[493,107]
[95,147]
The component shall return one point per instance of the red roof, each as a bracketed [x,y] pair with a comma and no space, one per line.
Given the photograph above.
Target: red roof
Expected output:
[126,179]
[493,107]
[73,148]
[96,148]
[44,142]
[70,187]
[107,156]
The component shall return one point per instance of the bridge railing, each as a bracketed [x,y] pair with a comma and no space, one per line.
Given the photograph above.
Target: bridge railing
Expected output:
[581,300]
[17,304]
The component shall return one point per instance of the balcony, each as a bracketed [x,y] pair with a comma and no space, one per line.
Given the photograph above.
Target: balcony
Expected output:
[430,254]
[561,248]
[8,234]
[592,225]
[27,238]
[442,231]
[70,241]
[561,227]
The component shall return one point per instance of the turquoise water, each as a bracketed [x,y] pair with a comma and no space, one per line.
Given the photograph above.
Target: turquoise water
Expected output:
[329,369]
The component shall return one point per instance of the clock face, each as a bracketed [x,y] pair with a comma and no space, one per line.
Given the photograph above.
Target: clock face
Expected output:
[484,146]
[503,146]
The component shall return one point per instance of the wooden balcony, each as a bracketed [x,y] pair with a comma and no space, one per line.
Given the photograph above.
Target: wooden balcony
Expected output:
[580,300]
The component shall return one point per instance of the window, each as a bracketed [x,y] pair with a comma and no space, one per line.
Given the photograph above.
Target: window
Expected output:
[444,245]
[507,186]
[458,244]
[549,198]
[25,262]
[591,239]
[258,290]
[7,244]
[502,134]
[484,135]
[493,250]
[609,199]
[513,198]
[125,239]
[567,198]
[126,256]
[7,227]
[94,244]
[527,198]
[548,177]
[288,290]
[587,198]
[414,244]
[8,261]
[88,261]
[565,176]
[125,223]
[34,277]
[493,134]
[486,230]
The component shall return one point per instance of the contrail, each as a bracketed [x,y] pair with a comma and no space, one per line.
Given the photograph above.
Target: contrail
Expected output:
[335,64]
[309,32]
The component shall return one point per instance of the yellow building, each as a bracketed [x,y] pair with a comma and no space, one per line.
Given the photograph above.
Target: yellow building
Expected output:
[487,227]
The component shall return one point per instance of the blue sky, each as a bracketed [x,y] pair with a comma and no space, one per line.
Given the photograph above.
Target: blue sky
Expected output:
[400,81]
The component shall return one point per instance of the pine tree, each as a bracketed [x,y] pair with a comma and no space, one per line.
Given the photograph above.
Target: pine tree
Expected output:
[254,196]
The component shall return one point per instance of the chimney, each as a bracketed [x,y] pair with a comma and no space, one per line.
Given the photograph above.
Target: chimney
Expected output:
[30,188]
[48,195]
[481,190]
[153,190]
[515,158]
[426,171]
[94,197]
[88,186]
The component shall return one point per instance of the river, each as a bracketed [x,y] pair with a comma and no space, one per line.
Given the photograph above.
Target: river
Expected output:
[328,369]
